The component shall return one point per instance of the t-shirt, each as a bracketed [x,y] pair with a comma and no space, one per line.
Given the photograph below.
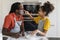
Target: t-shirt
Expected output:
[9,20]
[46,25]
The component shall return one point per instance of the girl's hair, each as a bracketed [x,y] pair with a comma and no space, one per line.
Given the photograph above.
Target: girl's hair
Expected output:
[47,7]
[14,7]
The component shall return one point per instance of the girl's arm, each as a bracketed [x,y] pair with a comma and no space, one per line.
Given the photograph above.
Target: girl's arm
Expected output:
[42,33]
[26,12]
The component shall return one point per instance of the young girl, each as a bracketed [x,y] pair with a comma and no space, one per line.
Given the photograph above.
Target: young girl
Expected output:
[42,20]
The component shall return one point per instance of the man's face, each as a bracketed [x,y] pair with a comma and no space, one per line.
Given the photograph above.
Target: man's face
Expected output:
[21,7]
[21,10]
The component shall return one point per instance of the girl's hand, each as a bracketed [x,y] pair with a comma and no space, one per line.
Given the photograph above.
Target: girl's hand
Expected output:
[26,12]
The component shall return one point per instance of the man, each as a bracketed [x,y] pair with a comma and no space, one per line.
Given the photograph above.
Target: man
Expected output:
[13,24]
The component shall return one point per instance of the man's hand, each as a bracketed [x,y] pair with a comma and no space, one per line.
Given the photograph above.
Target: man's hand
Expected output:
[16,35]
[23,34]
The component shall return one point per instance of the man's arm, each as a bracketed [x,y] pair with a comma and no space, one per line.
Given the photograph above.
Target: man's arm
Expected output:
[8,33]
[22,28]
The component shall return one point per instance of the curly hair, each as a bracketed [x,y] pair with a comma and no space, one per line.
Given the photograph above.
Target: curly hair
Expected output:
[47,7]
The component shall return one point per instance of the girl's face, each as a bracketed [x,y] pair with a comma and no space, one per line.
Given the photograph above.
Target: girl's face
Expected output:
[41,13]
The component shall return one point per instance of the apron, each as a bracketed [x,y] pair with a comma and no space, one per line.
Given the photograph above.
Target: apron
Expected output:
[16,29]
[40,27]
